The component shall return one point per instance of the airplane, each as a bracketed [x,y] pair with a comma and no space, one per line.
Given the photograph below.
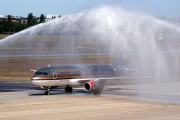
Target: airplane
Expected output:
[91,76]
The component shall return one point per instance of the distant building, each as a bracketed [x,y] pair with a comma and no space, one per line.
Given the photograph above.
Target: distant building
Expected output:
[22,21]
[51,16]
[22,17]
[6,16]
[12,16]
[17,17]
[14,21]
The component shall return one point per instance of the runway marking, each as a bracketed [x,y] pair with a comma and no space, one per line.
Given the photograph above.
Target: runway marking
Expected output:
[126,111]
[10,114]
[41,103]
[46,111]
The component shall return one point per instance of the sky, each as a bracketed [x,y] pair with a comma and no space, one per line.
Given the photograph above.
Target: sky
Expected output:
[160,8]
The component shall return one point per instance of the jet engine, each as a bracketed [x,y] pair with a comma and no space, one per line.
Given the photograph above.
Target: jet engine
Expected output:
[89,86]
[94,86]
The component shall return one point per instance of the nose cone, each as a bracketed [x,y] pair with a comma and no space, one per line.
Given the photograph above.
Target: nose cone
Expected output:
[35,78]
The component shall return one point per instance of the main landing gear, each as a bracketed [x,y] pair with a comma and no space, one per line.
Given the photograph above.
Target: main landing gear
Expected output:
[68,89]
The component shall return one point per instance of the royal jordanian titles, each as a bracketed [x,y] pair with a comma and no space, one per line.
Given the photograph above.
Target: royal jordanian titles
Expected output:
[91,77]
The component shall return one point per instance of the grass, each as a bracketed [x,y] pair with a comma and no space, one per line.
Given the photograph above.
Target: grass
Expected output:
[19,67]
[2,36]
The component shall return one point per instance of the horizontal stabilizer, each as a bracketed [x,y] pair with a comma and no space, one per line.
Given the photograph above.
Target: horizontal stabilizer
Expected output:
[32,70]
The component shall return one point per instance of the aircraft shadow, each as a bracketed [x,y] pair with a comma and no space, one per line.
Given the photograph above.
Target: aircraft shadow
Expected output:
[58,92]
[113,89]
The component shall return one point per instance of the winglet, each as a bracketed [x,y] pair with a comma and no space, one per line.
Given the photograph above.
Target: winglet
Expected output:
[32,70]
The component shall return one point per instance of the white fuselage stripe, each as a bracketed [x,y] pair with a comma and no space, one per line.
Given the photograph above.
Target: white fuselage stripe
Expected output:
[55,82]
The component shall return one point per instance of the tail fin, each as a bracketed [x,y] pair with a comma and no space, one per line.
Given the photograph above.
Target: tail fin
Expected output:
[122,64]
[122,60]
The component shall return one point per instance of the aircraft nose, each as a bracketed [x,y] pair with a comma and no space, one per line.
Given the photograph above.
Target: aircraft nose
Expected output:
[35,78]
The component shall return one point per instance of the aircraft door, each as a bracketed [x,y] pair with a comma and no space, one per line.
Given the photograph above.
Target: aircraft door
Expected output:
[54,73]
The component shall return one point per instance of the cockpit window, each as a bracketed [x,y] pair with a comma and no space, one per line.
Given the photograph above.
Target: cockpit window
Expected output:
[41,73]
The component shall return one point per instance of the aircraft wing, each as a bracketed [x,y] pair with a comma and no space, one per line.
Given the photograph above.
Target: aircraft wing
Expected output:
[82,80]
[131,69]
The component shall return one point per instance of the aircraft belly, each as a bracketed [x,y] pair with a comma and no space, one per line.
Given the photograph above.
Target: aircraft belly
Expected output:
[74,82]
[55,82]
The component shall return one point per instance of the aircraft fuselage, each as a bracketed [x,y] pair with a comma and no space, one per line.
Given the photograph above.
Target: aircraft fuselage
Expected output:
[66,75]
[92,77]
[74,71]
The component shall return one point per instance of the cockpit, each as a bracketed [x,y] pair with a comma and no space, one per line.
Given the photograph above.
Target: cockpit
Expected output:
[41,73]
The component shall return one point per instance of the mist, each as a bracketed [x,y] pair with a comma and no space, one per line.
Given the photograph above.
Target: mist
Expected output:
[117,29]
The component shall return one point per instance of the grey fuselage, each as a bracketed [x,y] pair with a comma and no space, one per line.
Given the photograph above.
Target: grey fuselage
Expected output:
[76,71]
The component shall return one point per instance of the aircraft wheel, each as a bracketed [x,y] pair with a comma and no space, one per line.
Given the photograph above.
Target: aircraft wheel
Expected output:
[66,89]
[70,89]
[47,93]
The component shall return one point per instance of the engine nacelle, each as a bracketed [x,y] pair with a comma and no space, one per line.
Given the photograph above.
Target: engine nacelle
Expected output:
[94,86]
[89,86]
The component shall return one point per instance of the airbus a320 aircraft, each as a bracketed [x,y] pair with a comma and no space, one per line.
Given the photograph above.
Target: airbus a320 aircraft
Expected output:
[92,77]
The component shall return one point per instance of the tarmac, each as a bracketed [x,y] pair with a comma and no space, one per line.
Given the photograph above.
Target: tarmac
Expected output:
[21,100]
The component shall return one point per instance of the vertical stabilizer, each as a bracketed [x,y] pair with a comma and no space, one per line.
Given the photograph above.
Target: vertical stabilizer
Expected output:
[122,60]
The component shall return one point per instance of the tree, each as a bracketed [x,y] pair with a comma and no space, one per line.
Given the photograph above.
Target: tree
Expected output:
[1,28]
[30,16]
[31,21]
[9,18]
[42,19]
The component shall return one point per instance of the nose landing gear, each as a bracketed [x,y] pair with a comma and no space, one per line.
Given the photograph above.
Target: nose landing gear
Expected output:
[47,91]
